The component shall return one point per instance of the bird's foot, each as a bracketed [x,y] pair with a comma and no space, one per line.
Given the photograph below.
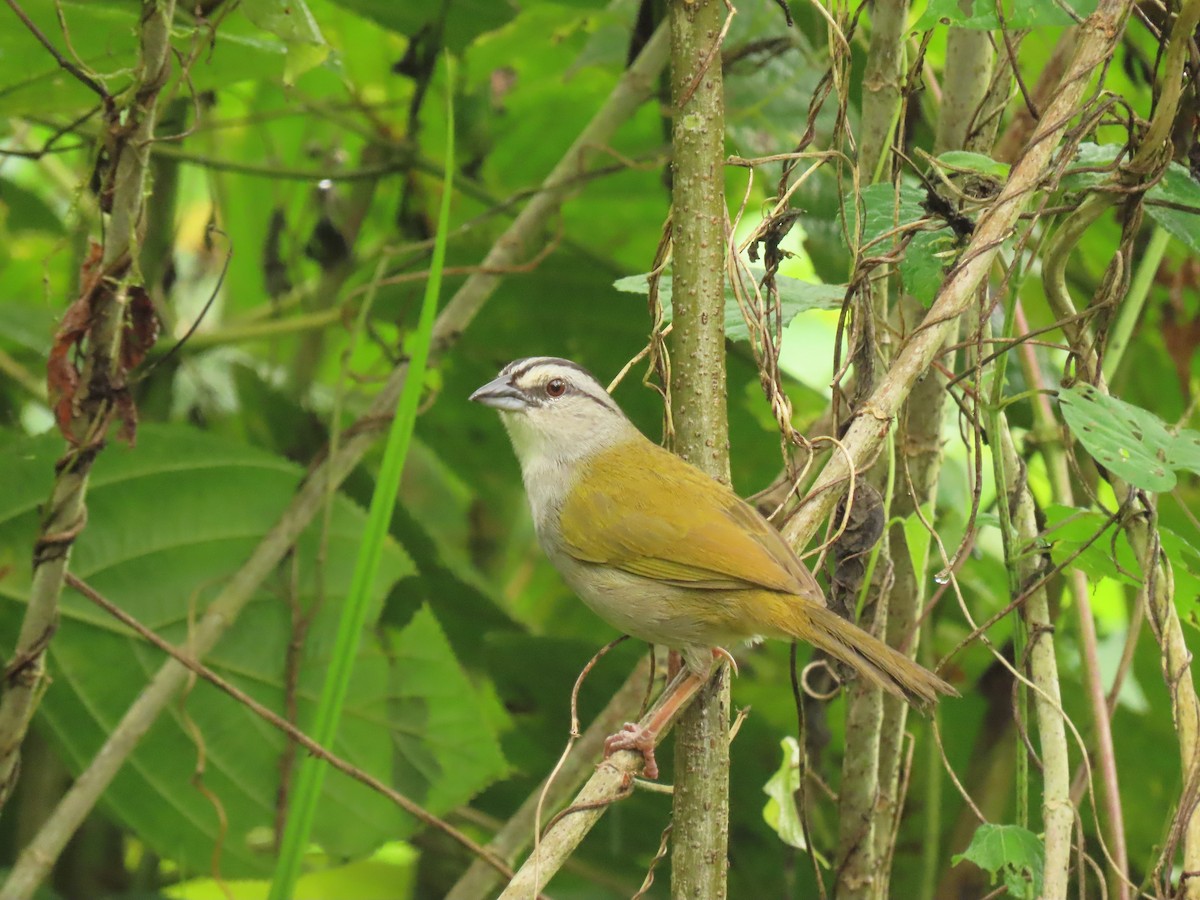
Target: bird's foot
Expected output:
[722,653]
[640,740]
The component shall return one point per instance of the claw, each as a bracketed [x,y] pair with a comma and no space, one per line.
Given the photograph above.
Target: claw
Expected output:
[722,653]
[639,740]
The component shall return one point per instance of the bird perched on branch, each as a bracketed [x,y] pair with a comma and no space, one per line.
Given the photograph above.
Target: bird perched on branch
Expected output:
[659,549]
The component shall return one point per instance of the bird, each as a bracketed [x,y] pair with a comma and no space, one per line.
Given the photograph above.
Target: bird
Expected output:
[662,551]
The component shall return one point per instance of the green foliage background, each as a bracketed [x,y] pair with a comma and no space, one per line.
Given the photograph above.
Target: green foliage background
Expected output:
[297,171]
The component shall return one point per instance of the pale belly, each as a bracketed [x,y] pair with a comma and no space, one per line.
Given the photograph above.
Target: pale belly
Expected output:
[649,610]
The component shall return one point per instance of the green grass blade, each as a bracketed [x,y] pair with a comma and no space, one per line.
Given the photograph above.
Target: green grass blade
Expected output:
[312,771]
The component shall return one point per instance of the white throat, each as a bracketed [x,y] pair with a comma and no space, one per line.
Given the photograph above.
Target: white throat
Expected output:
[551,462]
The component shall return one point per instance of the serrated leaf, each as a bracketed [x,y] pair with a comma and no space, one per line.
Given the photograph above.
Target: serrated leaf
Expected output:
[923,268]
[883,210]
[1129,441]
[169,522]
[1011,851]
[795,297]
[444,750]
[1185,567]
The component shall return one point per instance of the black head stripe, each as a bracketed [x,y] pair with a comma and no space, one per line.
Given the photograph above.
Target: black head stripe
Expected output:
[518,369]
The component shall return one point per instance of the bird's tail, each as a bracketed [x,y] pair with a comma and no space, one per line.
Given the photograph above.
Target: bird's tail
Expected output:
[883,666]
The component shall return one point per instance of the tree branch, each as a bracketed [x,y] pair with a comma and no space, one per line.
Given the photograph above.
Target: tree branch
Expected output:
[700,816]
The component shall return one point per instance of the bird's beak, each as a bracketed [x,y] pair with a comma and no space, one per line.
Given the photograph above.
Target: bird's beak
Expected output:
[500,394]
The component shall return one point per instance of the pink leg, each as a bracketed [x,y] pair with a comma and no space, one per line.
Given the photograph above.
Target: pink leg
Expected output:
[640,740]
[643,739]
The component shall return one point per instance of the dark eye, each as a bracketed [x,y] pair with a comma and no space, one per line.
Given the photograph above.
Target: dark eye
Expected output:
[556,387]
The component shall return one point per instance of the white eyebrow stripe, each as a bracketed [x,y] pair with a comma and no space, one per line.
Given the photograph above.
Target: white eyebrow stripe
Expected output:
[519,370]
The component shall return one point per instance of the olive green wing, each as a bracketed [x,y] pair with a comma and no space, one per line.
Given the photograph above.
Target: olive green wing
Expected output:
[643,510]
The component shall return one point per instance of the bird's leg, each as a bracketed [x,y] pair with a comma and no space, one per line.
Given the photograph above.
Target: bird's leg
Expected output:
[643,738]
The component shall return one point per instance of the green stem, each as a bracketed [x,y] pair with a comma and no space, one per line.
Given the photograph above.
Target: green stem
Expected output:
[1135,300]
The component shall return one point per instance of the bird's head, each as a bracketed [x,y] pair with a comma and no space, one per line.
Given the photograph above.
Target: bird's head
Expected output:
[554,410]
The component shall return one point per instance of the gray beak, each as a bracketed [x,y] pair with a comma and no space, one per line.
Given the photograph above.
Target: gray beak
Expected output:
[500,394]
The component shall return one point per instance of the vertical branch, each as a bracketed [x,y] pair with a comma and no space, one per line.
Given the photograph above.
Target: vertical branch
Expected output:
[860,826]
[881,87]
[860,823]
[91,398]
[919,452]
[701,807]
[1020,535]
[967,75]
[1159,595]
[1058,470]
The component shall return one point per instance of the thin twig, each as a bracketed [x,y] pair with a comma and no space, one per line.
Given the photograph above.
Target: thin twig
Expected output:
[81,76]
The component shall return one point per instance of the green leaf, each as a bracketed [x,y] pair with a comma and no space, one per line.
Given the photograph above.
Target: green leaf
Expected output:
[391,873]
[1185,567]
[1011,850]
[781,812]
[983,15]
[103,36]
[1098,157]
[883,210]
[1070,531]
[1131,442]
[1176,187]
[464,20]
[918,538]
[974,162]
[169,522]
[1179,188]
[795,297]
[24,210]
[292,22]
[444,750]
[924,265]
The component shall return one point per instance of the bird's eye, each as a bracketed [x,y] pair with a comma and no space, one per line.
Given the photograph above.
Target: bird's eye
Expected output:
[556,387]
